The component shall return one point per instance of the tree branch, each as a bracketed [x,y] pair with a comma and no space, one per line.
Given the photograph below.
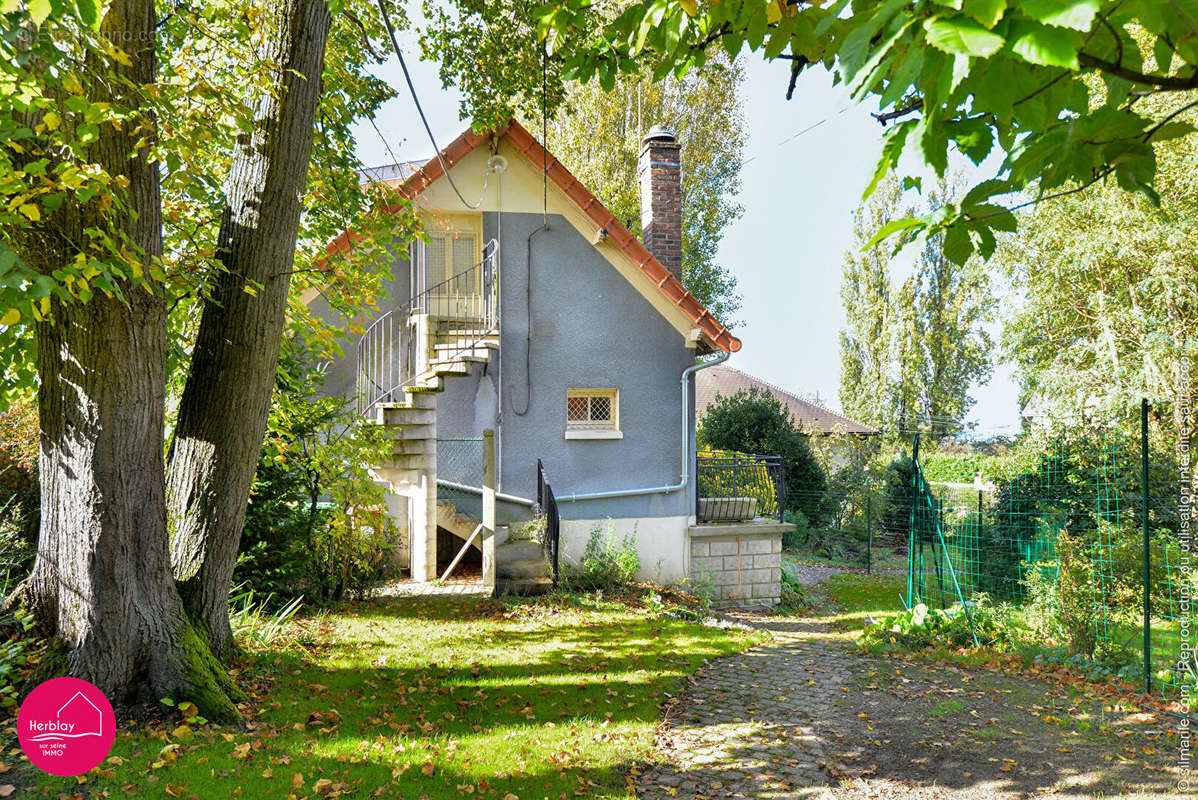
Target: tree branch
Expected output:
[1165,82]
[898,113]
[796,67]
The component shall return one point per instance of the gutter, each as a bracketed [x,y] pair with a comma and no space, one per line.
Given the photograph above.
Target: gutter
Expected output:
[686,448]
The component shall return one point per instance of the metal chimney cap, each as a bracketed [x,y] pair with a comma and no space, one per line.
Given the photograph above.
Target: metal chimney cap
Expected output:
[660,133]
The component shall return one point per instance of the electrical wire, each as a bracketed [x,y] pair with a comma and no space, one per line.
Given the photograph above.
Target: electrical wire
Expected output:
[420,110]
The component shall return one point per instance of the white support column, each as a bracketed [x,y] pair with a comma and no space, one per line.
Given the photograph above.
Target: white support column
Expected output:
[423,521]
[488,532]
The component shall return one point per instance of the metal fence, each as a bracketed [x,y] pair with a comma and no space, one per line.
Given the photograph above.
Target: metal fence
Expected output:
[547,505]
[734,487]
[1084,543]
[459,470]
[462,311]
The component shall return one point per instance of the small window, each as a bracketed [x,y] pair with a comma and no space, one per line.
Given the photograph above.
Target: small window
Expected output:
[593,414]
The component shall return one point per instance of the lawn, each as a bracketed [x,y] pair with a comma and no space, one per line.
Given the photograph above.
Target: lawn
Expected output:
[436,697]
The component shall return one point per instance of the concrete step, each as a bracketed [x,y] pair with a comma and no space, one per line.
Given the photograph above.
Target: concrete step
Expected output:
[411,447]
[519,550]
[523,586]
[450,369]
[400,416]
[446,343]
[520,570]
[405,463]
[451,340]
[427,386]
[395,478]
[408,433]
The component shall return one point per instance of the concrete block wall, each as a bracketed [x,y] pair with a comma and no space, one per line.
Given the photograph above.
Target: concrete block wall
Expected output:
[743,566]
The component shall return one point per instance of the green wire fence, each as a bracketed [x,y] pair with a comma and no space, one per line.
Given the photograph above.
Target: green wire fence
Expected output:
[1087,542]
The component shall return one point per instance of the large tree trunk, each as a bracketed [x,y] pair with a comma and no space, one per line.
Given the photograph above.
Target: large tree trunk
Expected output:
[223,412]
[101,584]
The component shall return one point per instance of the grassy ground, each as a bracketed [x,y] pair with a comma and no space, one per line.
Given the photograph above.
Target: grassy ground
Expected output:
[436,697]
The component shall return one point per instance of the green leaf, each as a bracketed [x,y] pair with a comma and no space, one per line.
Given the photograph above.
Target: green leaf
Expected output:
[39,10]
[957,247]
[962,35]
[1076,14]
[89,13]
[973,137]
[987,12]
[1048,47]
[891,228]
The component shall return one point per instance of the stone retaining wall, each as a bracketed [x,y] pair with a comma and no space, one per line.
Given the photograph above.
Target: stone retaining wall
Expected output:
[741,561]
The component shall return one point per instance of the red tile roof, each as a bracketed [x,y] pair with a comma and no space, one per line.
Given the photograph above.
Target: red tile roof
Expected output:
[524,141]
[810,417]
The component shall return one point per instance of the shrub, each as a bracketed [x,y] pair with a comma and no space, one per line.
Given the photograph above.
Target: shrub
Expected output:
[607,564]
[19,492]
[317,523]
[794,594]
[755,422]
[894,519]
[793,540]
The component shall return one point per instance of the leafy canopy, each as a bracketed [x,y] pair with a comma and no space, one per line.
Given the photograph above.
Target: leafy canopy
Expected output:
[1051,84]
[59,88]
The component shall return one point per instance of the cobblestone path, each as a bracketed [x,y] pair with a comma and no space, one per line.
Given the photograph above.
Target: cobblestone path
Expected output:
[743,726]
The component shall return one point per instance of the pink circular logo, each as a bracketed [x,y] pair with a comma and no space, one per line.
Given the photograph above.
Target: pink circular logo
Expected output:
[66,726]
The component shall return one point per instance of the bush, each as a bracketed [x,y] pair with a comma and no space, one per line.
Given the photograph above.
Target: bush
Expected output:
[607,564]
[894,519]
[793,540]
[755,422]
[19,492]
[317,523]
[794,594]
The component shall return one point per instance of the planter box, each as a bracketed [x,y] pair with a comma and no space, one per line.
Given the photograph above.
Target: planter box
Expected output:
[726,509]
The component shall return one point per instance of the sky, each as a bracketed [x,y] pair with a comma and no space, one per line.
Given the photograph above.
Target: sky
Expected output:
[806,164]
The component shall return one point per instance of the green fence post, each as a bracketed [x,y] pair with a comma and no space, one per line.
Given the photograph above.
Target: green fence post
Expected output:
[1147,550]
[869,535]
[911,529]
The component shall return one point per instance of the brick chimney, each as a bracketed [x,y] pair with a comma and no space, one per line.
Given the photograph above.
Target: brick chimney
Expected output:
[659,169]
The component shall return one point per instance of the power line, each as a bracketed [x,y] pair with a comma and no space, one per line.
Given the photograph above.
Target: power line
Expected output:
[420,110]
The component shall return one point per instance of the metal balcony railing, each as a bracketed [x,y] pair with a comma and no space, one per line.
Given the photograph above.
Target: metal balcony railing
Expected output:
[735,487]
[458,314]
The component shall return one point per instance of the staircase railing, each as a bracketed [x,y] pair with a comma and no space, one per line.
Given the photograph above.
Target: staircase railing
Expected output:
[464,309]
[553,522]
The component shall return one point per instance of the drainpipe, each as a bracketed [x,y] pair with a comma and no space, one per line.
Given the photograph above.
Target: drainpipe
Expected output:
[686,448]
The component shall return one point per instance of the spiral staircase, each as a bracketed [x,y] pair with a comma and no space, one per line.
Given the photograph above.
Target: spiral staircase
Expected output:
[404,359]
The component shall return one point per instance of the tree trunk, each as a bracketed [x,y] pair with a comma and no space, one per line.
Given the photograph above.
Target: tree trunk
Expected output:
[223,411]
[101,584]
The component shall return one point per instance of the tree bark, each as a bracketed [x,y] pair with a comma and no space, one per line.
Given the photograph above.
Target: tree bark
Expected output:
[226,399]
[101,585]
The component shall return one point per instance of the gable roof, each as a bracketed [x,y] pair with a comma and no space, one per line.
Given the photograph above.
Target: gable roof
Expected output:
[677,294]
[724,381]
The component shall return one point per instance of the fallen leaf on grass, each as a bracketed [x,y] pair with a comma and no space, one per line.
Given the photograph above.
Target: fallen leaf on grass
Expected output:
[7,789]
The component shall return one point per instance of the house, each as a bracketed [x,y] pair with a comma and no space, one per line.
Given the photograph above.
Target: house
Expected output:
[808,416]
[537,315]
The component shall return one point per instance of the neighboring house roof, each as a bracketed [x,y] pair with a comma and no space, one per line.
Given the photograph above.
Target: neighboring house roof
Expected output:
[526,143]
[724,381]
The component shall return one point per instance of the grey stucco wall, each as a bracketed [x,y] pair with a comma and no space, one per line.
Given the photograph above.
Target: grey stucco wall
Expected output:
[589,329]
